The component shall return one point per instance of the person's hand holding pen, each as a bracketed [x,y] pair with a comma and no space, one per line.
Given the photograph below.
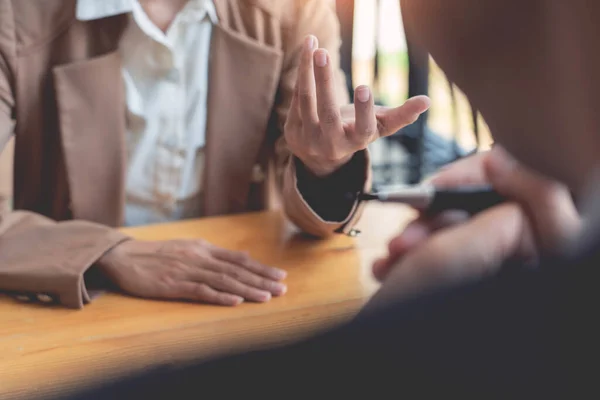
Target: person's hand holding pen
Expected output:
[325,135]
[452,247]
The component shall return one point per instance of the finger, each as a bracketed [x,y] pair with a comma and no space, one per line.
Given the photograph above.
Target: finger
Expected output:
[293,116]
[548,203]
[244,260]
[227,284]
[306,84]
[410,238]
[201,292]
[249,278]
[459,254]
[417,232]
[366,122]
[467,171]
[328,109]
[379,264]
[392,120]
[423,227]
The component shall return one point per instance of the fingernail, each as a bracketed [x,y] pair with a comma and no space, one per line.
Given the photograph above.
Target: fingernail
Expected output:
[266,296]
[363,94]
[321,58]
[422,102]
[280,275]
[426,102]
[310,42]
[279,289]
[238,300]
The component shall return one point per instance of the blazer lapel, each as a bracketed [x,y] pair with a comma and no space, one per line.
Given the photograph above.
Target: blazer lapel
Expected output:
[243,80]
[91,108]
[244,75]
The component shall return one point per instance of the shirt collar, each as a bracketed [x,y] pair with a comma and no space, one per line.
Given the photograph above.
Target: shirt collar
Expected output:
[88,10]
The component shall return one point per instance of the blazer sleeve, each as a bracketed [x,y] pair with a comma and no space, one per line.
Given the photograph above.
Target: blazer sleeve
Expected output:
[316,206]
[40,259]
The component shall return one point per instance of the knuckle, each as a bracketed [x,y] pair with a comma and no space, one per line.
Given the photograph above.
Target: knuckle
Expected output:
[369,131]
[202,291]
[305,96]
[265,284]
[222,298]
[177,246]
[243,258]
[330,116]
[189,252]
[223,279]
[168,276]
[235,274]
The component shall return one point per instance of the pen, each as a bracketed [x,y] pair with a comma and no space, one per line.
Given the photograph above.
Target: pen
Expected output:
[431,200]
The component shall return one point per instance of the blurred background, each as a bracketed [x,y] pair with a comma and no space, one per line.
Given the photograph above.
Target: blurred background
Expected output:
[376,52]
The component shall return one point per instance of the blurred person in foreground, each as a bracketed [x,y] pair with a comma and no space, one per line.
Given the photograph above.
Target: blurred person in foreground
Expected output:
[134,112]
[501,305]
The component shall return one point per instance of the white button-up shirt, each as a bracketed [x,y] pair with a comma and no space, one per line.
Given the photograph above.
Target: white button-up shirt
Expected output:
[166,82]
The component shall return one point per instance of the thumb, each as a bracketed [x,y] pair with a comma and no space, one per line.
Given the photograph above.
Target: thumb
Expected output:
[547,203]
[392,120]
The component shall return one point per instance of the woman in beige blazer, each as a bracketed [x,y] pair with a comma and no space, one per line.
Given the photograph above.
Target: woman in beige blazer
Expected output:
[63,98]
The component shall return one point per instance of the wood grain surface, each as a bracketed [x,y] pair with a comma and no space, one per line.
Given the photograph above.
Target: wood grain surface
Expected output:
[46,351]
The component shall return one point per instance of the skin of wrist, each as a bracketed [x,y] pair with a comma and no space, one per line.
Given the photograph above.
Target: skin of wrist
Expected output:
[325,168]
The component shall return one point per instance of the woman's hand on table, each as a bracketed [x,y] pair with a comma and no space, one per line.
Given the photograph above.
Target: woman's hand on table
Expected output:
[325,136]
[191,270]
[452,247]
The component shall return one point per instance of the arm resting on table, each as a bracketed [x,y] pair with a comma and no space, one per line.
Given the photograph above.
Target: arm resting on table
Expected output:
[39,256]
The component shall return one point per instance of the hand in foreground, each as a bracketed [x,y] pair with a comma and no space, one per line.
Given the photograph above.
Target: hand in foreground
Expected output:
[325,136]
[190,270]
[451,248]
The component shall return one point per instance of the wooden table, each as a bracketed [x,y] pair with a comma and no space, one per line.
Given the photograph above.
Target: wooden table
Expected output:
[50,350]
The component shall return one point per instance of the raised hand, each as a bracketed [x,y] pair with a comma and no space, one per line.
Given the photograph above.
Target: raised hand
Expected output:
[325,135]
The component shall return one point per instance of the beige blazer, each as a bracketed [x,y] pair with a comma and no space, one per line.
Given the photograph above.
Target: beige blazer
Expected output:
[62,98]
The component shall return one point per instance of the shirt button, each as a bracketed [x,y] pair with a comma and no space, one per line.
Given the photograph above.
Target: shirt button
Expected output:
[354,233]
[23,298]
[45,298]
